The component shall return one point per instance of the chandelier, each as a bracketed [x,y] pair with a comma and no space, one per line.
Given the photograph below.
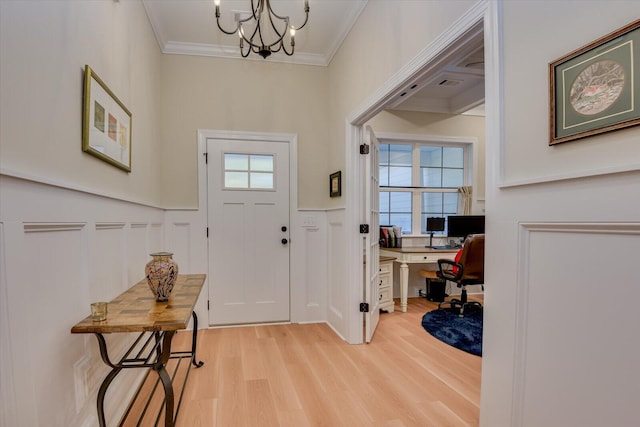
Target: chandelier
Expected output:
[263,31]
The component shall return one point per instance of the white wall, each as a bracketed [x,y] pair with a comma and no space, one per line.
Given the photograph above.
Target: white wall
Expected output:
[61,250]
[559,346]
[531,158]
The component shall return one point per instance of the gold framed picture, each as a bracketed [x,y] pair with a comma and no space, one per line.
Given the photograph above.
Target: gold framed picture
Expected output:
[106,123]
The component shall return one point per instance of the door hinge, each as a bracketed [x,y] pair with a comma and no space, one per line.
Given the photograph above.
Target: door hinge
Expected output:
[364,307]
[364,149]
[207,232]
[207,305]
[206,158]
[364,228]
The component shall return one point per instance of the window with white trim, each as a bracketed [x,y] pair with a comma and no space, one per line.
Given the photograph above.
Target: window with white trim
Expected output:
[420,180]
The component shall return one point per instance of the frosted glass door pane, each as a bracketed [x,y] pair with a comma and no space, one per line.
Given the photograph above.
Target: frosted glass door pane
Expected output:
[261,180]
[261,163]
[236,180]
[236,162]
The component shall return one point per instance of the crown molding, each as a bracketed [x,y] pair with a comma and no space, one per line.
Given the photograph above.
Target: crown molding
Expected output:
[204,49]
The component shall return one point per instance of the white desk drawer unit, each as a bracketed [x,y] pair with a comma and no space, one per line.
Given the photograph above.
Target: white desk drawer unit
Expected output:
[407,256]
[426,258]
[385,301]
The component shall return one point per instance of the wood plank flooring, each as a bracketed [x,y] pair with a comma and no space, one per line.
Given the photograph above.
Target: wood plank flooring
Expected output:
[305,375]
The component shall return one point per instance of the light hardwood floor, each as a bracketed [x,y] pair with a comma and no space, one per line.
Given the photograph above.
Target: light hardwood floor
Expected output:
[305,375]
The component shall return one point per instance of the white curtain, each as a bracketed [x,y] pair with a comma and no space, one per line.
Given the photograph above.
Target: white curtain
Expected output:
[464,200]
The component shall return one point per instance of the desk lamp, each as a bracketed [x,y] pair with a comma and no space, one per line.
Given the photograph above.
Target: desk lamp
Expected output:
[434,224]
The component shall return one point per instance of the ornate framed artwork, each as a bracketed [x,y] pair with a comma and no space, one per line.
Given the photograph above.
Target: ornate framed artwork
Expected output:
[335,184]
[596,88]
[106,123]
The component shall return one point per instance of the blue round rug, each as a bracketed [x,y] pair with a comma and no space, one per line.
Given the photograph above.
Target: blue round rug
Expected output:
[464,333]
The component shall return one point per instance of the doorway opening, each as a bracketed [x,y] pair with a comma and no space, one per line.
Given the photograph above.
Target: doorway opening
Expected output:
[477,29]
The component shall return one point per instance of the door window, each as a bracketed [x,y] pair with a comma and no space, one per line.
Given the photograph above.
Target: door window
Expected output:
[248,171]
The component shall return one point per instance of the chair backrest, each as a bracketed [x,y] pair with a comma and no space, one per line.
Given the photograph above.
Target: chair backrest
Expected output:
[472,259]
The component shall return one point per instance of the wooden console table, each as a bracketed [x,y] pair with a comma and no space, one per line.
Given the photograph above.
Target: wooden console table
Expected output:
[136,310]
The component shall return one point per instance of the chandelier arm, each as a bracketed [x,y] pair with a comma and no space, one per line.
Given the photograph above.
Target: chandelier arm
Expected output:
[280,36]
[250,39]
[218,22]
[284,49]
[255,9]
[272,12]
[306,16]
[306,19]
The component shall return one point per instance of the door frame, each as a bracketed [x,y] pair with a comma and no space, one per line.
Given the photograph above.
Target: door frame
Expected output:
[481,20]
[203,208]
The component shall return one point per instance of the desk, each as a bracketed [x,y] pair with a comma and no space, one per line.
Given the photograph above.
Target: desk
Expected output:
[136,310]
[406,256]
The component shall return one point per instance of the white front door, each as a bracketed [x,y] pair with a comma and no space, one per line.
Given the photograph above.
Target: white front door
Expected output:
[248,220]
[371,241]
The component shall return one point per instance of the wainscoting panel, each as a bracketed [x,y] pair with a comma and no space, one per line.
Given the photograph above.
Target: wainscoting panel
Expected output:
[137,252]
[555,355]
[309,267]
[337,295]
[51,291]
[8,415]
[180,244]
[61,249]
[186,238]
[108,274]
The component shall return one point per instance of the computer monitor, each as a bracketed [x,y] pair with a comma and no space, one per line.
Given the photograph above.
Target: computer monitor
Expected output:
[463,225]
[435,224]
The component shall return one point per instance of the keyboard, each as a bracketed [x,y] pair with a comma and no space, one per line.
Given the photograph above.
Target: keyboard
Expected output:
[446,247]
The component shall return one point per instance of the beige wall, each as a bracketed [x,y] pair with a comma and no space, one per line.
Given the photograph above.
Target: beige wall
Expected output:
[242,95]
[411,122]
[44,46]
[527,155]
[387,35]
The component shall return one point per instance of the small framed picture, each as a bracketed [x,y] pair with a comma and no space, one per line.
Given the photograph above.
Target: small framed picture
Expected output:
[596,88]
[335,184]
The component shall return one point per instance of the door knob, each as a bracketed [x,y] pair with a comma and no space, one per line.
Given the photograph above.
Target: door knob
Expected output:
[284,228]
[284,241]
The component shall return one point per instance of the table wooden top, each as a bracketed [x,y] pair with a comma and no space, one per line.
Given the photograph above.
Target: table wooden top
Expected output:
[136,309]
[419,250]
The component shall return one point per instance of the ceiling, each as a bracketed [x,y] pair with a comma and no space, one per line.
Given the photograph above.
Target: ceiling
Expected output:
[188,27]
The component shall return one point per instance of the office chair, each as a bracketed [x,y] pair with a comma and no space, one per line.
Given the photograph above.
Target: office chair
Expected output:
[469,270]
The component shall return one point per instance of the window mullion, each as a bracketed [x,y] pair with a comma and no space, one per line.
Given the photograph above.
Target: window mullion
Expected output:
[416,206]
[416,212]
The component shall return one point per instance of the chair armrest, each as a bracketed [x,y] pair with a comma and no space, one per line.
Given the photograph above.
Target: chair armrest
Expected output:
[445,270]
